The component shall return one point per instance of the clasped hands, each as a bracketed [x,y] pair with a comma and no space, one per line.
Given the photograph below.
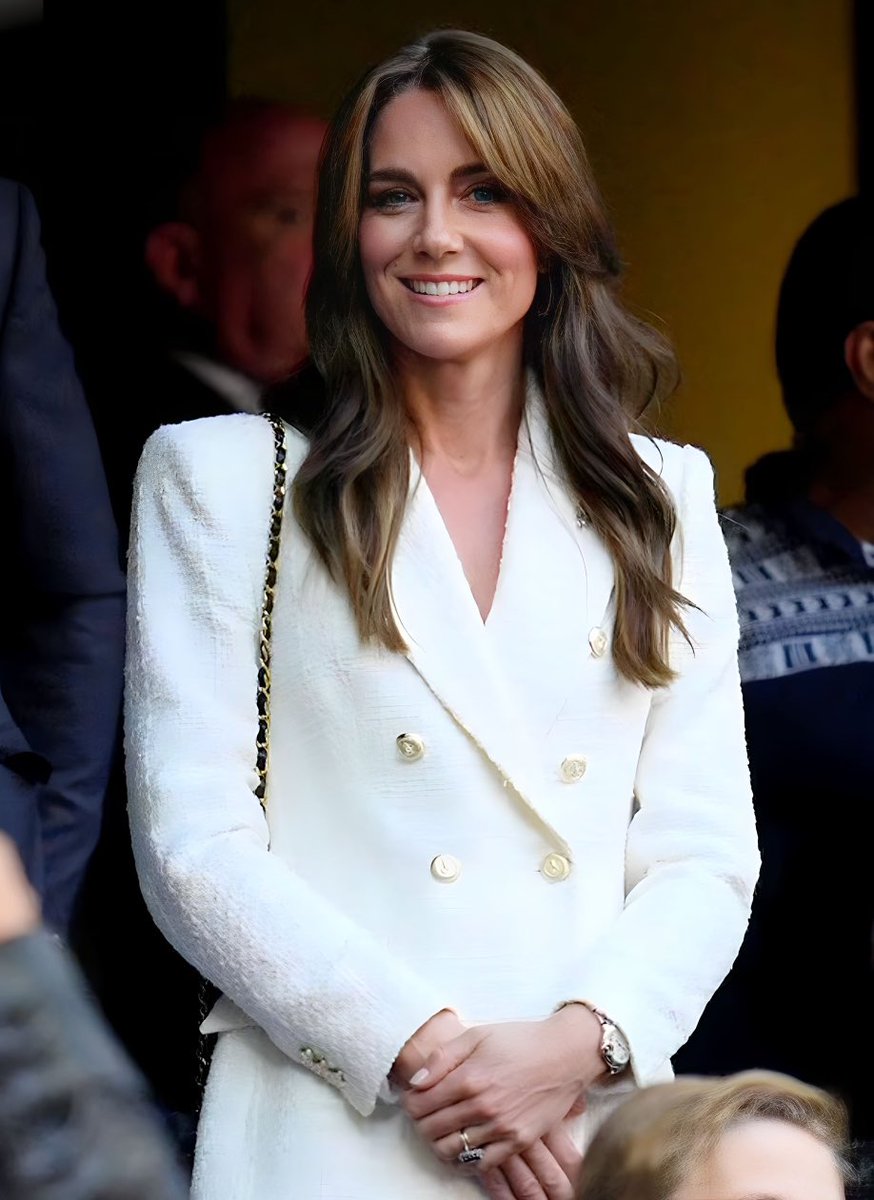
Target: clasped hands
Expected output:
[513,1088]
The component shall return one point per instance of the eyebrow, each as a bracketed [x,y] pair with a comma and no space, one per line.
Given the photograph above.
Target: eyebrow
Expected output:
[399,175]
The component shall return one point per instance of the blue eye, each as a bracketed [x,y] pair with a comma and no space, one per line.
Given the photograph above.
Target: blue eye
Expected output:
[395,198]
[487,193]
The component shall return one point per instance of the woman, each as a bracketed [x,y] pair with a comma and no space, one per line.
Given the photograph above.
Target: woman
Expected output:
[754,1134]
[507,765]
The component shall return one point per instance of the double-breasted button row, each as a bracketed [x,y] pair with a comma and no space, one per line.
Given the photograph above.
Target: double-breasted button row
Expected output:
[411,748]
[446,868]
[318,1064]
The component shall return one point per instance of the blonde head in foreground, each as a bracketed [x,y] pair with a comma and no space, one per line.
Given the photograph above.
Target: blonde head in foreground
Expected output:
[753,1136]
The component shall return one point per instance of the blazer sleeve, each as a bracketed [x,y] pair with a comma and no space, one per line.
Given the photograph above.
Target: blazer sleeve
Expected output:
[63,604]
[692,855]
[301,969]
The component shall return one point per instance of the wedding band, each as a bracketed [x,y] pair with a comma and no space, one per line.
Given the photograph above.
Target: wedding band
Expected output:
[470,1154]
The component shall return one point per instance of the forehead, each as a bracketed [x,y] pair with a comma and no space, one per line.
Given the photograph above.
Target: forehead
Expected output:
[766,1160]
[415,131]
[276,152]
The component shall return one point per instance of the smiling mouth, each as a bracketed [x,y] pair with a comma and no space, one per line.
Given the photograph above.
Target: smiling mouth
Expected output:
[445,287]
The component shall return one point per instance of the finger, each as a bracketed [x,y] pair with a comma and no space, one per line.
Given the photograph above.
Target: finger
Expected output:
[462,1087]
[549,1173]
[496,1186]
[523,1182]
[565,1151]
[496,1154]
[446,1122]
[449,1147]
[445,1059]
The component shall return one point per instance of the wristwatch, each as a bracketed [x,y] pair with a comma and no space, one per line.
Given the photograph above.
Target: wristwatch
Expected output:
[615,1050]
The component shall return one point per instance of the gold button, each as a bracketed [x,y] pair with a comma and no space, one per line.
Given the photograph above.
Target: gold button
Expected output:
[573,768]
[598,642]
[555,867]
[410,746]
[445,868]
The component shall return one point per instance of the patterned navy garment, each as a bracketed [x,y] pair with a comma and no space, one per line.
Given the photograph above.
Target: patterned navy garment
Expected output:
[799,998]
[805,590]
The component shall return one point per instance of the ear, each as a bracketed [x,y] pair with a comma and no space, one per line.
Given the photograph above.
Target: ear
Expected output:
[859,357]
[173,256]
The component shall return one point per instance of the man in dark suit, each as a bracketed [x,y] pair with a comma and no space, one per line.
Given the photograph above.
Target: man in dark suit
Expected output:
[62,603]
[228,265]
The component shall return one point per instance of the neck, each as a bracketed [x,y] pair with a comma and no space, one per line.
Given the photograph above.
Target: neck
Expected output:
[854,508]
[467,412]
[845,488]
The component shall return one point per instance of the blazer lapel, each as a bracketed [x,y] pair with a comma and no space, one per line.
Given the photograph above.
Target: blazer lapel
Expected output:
[451,648]
[555,588]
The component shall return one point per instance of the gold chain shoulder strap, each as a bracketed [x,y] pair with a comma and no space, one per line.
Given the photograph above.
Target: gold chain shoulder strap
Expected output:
[277,507]
[207,993]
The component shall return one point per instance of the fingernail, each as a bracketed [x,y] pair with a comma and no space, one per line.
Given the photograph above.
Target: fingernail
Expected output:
[419,1078]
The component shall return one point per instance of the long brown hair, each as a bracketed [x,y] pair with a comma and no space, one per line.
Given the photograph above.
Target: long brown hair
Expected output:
[647,1148]
[597,365]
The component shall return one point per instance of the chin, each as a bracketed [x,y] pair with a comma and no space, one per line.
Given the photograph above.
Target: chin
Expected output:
[443,349]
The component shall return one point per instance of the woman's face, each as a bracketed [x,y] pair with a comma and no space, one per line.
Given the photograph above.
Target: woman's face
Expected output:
[449,268]
[766,1160]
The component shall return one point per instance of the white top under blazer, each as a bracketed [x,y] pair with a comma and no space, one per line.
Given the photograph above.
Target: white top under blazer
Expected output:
[494,821]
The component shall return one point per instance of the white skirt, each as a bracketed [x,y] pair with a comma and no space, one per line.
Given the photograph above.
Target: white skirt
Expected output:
[270,1130]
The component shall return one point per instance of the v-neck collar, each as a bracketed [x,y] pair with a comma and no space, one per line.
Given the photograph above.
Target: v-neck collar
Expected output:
[506,681]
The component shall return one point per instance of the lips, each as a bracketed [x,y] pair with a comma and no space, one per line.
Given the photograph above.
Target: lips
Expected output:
[441,287]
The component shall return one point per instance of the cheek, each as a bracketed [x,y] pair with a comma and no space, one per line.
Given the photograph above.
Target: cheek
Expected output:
[513,252]
[376,246]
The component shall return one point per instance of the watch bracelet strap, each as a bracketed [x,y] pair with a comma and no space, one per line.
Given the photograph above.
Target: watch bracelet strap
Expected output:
[602,1017]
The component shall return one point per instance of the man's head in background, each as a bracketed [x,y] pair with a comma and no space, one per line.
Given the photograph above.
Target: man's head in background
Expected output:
[825,355]
[237,255]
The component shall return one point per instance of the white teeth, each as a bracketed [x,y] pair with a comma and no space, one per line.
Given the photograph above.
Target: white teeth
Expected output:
[444,288]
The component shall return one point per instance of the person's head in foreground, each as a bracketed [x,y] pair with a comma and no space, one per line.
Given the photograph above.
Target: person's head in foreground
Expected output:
[753,1136]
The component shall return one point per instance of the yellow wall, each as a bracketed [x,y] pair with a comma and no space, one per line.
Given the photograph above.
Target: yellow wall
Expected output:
[718,129]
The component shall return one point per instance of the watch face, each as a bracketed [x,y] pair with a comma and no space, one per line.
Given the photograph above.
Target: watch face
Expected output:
[616,1049]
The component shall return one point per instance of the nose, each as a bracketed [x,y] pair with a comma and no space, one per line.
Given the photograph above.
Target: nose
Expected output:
[438,233]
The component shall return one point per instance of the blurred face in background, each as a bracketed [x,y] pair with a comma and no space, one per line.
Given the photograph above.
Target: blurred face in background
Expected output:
[241,256]
[256,227]
[765,1160]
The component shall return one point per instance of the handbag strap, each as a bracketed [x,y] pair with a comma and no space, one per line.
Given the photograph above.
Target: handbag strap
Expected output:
[207,993]
[265,633]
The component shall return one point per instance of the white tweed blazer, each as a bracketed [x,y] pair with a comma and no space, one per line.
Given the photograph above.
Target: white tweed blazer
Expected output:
[494,821]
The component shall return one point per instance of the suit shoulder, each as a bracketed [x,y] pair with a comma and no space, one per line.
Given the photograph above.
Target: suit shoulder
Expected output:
[682,468]
[222,466]
[212,445]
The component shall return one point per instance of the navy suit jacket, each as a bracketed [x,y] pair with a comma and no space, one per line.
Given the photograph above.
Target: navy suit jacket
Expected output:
[62,597]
